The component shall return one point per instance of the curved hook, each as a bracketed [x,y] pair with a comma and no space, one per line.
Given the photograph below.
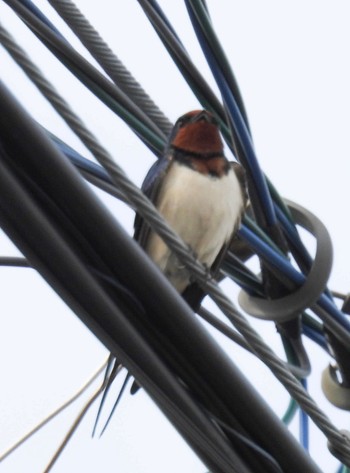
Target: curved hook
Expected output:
[290,306]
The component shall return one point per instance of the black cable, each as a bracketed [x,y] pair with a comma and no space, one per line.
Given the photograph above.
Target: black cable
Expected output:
[93,79]
[222,60]
[14,261]
[299,371]
[69,276]
[110,63]
[265,459]
[51,256]
[263,210]
[182,60]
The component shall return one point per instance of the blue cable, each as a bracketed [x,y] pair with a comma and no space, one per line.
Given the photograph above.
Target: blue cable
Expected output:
[237,121]
[240,127]
[328,305]
[293,234]
[242,132]
[315,336]
[38,13]
[284,265]
[79,161]
[277,260]
[247,146]
[160,12]
[259,246]
[304,423]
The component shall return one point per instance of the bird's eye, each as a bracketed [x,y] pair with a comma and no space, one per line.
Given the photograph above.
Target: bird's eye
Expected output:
[180,123]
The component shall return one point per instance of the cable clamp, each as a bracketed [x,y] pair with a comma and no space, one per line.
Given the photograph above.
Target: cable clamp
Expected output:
[337,451]
[290,306]
[335,392]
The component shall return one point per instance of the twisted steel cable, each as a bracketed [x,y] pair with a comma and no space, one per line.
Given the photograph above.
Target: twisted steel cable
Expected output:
[110,63]
[134,195]
[108,92]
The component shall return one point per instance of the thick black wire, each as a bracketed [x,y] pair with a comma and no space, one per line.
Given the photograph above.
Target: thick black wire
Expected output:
[224,65]
[182,59]
[50,254]
[264,456]
[16,261]
[211,362]
[40,242]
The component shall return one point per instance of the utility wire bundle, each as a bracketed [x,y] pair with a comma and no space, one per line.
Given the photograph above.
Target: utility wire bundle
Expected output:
[107,280]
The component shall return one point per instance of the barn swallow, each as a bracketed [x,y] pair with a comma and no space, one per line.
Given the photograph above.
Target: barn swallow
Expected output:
[199,193]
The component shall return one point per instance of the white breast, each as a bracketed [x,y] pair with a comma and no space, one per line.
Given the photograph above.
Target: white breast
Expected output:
[203,210]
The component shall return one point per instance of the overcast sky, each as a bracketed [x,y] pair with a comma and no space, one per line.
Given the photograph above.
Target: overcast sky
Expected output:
[292,64]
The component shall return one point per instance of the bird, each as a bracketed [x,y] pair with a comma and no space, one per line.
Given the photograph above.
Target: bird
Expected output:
[202,196]
[199,192]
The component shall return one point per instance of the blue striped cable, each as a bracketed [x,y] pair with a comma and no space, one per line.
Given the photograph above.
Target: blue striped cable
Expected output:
[283,264]
[38,13]
[304,423]
[237,121]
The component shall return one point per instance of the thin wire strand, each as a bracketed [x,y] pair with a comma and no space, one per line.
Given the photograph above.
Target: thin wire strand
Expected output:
[74,426]
[55,413]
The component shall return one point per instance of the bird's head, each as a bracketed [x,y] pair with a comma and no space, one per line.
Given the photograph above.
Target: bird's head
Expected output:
[197,133]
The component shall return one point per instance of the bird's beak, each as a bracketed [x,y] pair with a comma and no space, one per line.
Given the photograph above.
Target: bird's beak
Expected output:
[204,116]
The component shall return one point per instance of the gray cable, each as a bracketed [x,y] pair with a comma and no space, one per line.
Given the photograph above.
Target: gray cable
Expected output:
[183,61]
[108,92]
[110,63]
[220,326]
[147,210]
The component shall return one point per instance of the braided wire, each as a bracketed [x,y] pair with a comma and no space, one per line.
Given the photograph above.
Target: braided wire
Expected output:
[147,210]
[110,63]
[108,92]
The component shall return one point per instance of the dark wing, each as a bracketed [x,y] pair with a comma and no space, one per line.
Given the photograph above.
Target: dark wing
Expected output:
[150,187]
[241,176]
[193,294]
[238,246]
